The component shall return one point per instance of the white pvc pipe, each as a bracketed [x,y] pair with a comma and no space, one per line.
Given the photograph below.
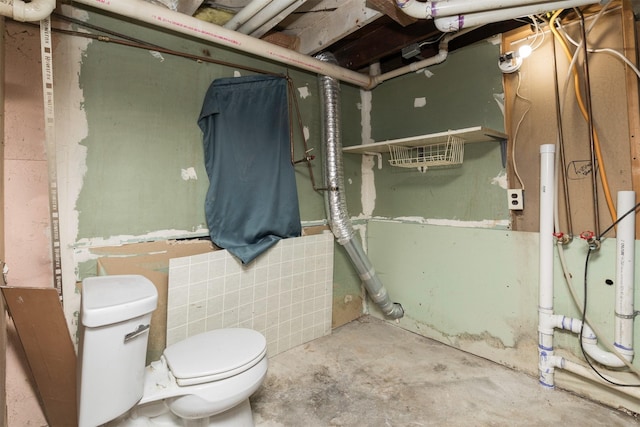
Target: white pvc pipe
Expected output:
[457,22]
[545,287]
[625,272]
[589,339]
[441,56]
[587,373]
[431,9]
[181,23]
[264,15]
[547,321]
[438,58]
[547,200]
[275,20]
[603,357]
[33,11]
[246,13]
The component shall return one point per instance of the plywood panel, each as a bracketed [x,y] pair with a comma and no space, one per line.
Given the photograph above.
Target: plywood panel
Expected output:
[42,329]
[532,120]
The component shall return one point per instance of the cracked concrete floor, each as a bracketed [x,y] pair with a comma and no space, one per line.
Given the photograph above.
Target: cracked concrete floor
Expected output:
[369,373]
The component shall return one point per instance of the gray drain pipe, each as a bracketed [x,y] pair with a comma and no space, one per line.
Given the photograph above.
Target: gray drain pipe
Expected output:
[335,199]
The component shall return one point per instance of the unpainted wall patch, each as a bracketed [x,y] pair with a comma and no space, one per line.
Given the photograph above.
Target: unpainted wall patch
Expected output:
[428,73]
[304,92]
[419,102]
[499,98]
[157,55]
[485,223]
[189,174]
[500,180]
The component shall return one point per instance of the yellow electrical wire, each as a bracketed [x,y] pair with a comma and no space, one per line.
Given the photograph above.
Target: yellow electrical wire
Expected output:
[596,140]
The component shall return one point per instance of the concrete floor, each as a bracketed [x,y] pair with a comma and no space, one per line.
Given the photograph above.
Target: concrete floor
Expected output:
[369,373]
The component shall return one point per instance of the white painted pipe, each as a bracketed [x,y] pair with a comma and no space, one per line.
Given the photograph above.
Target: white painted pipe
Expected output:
[33,11]
[181,23]
[603,357]
[268,12]
[589,374]
[441,56]
[275,20]
[625,272]
[547,200]
[431,9]
[246,13]
[545,287]
[457,22]
[589,339]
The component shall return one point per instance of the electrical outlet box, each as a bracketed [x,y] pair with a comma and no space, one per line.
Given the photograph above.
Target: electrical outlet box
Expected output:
[515,199]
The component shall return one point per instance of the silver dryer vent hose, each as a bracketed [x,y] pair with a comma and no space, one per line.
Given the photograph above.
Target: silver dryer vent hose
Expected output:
[339,220]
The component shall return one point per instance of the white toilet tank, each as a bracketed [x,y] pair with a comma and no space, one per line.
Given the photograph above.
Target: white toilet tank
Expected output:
[115,316]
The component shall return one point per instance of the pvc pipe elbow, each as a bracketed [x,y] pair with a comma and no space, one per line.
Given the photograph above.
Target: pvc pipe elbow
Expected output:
[36,10]
[590,345]
[449,24]
[625,352]
[416,9]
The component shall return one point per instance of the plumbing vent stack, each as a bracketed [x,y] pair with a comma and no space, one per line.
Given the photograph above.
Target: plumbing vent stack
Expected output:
[335,199]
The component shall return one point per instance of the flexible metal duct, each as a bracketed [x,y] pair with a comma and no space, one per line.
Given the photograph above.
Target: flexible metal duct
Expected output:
[336,202]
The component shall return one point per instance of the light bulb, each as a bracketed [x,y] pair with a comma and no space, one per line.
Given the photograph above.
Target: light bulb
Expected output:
[524,51]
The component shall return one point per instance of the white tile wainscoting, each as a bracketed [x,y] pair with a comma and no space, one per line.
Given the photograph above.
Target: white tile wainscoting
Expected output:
[286,293]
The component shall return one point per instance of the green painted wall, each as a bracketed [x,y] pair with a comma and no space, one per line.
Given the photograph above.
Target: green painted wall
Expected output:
[458,94]
[472,288]
[142,113]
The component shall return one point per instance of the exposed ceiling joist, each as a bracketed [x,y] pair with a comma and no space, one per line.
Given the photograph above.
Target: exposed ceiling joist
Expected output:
[316,31]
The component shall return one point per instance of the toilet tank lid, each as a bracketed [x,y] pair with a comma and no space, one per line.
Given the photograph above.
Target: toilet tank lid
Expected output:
[112,299]
[215,355]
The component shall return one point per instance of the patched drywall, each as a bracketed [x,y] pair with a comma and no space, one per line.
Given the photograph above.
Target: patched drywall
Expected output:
[477,290]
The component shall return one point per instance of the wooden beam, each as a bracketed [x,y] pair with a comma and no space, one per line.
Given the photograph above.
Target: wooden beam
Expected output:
[316,31]
[629,43]
[389,8]
[189,7]
[379,40]
[284,40]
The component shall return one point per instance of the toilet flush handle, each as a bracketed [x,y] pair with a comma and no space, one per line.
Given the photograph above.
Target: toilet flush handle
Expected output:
[141,329]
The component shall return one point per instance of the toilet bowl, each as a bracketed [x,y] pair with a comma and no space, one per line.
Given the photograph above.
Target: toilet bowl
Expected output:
[204,380]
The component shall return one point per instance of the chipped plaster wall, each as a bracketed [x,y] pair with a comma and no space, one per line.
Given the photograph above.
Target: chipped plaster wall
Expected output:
[130,161]
[441,241]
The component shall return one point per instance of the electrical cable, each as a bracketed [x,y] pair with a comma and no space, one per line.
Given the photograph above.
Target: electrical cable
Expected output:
[597,146]
[515,133]
[613,52]
[539,31]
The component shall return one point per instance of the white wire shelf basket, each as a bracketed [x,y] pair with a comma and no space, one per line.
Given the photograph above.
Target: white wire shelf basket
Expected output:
[439,155]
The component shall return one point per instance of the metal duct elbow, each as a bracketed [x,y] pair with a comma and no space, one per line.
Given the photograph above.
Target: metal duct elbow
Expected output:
[335,199]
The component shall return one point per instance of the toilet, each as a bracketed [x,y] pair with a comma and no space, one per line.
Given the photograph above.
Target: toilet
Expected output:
[204,380]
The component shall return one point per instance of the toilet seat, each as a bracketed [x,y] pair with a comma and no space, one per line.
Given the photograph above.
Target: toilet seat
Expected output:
[214,355]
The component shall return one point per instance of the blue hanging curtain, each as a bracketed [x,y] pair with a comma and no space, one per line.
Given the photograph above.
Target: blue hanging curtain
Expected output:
[252,201]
